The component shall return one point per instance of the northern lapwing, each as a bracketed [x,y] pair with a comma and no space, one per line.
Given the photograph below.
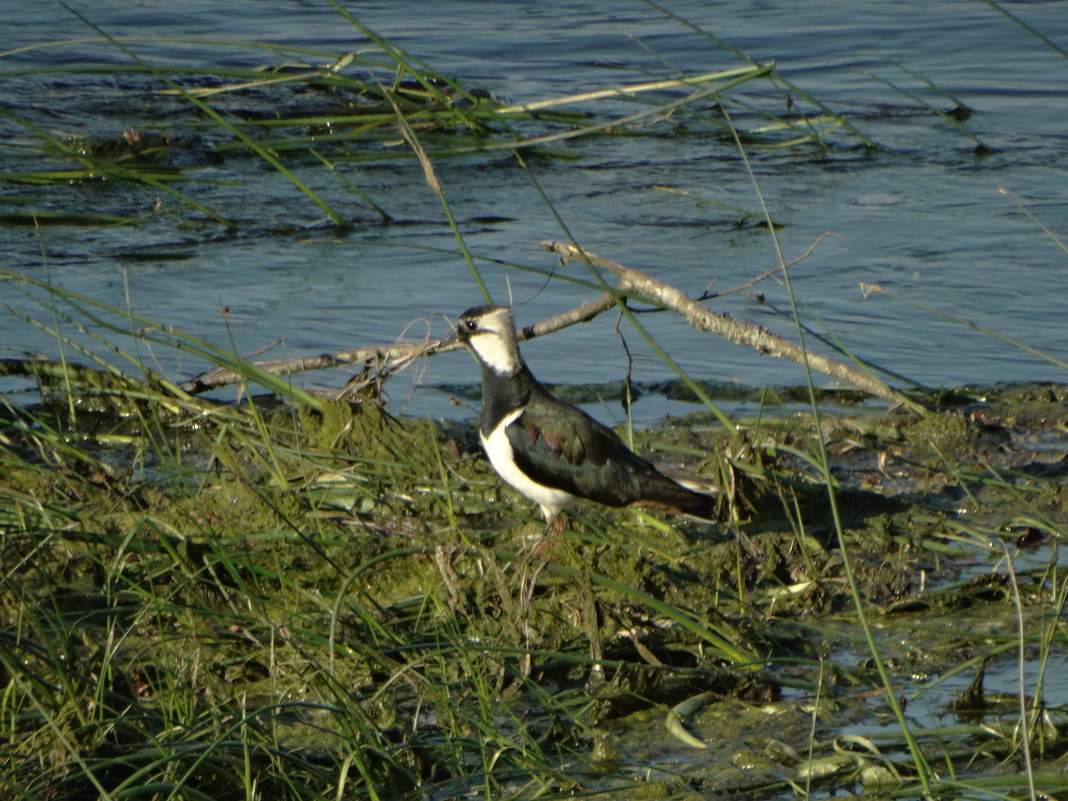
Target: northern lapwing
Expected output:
[550,451]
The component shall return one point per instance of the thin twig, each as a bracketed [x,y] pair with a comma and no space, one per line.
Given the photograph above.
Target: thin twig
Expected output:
[706,295]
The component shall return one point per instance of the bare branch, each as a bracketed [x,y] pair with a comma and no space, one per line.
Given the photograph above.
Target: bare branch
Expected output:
[383,360]
[389,358]
[582,314]
[638,283]
[395,356]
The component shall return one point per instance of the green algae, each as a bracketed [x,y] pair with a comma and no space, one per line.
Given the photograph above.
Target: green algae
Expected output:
[366,582]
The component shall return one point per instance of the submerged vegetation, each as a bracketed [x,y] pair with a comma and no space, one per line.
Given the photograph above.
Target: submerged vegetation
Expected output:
[294,595]
[180,136]
[307,119]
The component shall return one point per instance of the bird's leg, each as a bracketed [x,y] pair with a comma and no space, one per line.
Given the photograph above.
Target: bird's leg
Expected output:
[556,524]
[554,527]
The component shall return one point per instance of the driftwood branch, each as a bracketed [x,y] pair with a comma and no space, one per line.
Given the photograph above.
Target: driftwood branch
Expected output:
[388,357]
[383,360]
[635,282]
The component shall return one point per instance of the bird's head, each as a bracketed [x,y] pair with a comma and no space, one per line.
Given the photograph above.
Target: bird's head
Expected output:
[489,331]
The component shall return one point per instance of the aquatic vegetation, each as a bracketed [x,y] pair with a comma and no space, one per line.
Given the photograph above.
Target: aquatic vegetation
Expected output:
[304,119]
[181,136]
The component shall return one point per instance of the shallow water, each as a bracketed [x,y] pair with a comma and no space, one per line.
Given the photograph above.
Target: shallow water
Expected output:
[922,216]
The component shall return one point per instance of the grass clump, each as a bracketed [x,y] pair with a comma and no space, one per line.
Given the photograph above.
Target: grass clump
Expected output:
[284,600]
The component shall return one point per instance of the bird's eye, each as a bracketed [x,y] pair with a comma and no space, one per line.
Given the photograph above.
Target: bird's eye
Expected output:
[470,325]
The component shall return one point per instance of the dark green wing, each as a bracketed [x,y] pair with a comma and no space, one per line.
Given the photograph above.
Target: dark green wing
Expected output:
[563,447]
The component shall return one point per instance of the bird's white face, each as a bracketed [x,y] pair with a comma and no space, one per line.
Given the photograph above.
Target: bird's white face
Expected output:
[490,333]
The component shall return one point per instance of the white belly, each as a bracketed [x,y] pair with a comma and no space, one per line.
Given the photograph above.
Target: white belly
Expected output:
[499,450]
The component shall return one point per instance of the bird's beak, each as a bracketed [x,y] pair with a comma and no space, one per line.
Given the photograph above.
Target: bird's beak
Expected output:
[453,338]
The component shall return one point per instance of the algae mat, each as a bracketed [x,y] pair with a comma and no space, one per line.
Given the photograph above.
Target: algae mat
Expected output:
[271,600]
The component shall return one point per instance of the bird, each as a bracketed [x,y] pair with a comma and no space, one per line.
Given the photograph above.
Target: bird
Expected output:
[550,451]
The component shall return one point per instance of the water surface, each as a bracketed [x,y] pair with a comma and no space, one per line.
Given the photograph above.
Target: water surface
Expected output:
[923,215]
